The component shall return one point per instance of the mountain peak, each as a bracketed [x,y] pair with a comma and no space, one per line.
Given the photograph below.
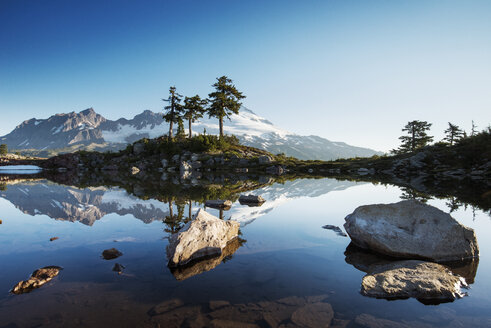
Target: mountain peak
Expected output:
[88,127]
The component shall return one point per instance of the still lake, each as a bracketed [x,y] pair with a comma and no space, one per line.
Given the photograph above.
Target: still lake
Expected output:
[287,260]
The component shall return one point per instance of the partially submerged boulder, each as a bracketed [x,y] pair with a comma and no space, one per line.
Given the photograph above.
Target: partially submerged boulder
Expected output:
[206,235]
[251,200]
[411,229]
[426,281]
[112,253]
[37,279]
[218,203]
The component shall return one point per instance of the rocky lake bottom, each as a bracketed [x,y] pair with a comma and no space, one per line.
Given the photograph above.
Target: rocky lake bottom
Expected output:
[293,265]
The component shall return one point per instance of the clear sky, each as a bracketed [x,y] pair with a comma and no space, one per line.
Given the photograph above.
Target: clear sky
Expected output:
[353,71]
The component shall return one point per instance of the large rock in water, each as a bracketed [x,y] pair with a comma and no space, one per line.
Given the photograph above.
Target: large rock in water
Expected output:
[37,279]
[428,282]
[411,229]
[206,235]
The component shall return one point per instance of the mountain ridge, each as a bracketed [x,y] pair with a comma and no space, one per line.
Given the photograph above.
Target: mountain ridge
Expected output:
[90,130]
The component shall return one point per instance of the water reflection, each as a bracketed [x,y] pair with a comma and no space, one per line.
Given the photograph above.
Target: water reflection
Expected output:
[206,264]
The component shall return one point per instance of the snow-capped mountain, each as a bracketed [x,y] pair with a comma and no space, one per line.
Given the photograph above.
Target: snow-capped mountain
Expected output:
[89,128]
[88,205]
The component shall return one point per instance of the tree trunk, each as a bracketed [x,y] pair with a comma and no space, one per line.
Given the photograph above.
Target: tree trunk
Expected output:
[170,129]
[221,126]
[190,210]
[190,130]
[413,139]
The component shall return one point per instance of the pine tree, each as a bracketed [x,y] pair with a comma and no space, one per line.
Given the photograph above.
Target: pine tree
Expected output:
[194,108]
[225,101]
[4,149]
[453,134]
[417,137]
[181,133]
[173,110]
[473,129]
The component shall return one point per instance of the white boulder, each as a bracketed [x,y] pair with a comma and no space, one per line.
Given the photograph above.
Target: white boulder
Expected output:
[206,235]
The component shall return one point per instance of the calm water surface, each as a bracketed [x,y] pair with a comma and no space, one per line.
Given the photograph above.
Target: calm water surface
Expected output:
[288,260]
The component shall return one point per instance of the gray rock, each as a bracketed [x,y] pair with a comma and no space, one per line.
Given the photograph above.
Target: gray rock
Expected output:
[205,235]
[313,315]
[428,282]
[248,199]
[278,170]
[138,148]
[210,162]
[111,253]
[37,279]
[175,158]
[194,157]
[411,229]
[264,159]
[196,165]
[218,203]
[164,162]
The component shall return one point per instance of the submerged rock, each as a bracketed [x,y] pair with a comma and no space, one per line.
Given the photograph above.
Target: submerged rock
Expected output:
[251,200]
[118,268]
[37,279]
[218,203]
[111,253]
[53,238]
[206,235]
[411,229]
[428,282]
[365,260]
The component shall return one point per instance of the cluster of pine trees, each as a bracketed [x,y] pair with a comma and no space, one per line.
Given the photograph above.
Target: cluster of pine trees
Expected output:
[221,103]
[417,136]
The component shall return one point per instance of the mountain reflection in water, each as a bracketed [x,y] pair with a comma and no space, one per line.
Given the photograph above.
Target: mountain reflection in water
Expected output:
[289,270]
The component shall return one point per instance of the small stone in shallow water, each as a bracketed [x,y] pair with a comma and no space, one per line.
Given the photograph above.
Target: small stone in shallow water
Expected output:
[118,268]
[37,279]
[111,253]
[53,238]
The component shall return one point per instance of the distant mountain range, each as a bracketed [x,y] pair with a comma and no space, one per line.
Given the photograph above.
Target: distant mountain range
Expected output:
[88,205]
[89,130]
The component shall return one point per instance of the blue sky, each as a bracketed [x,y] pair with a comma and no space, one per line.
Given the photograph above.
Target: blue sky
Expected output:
[353,71]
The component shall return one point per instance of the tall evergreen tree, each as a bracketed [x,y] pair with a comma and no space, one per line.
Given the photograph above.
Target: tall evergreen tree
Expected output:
[3,149]
[453,134]
[225,101]
[417,136]
[473,129]
[194,108]
[181,133]
[173,110]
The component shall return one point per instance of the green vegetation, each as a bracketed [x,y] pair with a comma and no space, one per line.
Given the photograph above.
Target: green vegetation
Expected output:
[4,149]
[174,109]
[194,108]
[453,134]
[223,102]
[417,137]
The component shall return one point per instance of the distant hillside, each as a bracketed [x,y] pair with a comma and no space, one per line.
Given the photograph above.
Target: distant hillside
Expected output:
[62,133]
